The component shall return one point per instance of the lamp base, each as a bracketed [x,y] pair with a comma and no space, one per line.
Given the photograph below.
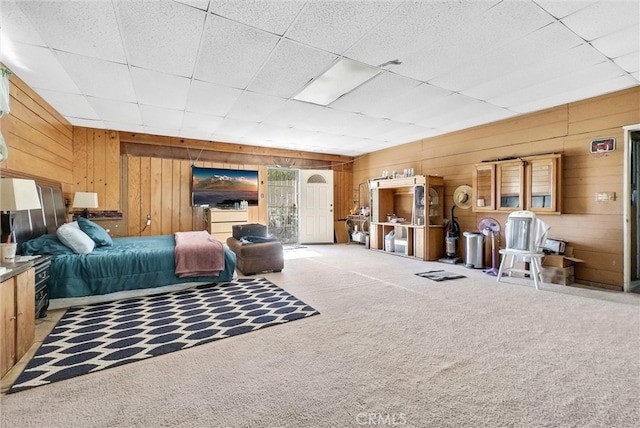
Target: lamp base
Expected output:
[85,213]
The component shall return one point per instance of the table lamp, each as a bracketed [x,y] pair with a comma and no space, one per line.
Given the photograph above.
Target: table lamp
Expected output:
[16,194]
[85,200]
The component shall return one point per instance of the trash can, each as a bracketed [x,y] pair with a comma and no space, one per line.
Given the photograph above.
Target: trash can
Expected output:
[474,250]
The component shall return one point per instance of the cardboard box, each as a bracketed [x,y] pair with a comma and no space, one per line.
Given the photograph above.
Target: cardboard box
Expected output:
[561,261]
[558,275]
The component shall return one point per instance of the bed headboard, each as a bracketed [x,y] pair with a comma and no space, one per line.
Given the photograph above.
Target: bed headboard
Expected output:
[33,223]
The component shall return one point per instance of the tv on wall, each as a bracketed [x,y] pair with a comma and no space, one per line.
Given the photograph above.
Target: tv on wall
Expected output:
[223,187]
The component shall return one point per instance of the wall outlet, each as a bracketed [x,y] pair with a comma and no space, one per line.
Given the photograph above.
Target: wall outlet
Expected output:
[148,219]
[605,196]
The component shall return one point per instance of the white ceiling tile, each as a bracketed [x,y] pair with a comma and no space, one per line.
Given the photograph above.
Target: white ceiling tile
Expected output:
[568,82]
[99,78]
[200,4]
[200,122]
[396,107]
[232,53]
[160,89]
[290,67]
[619,43]
[254,107]
[411,26]
[116,111]
[531,49]
[234,128]
[272,16]
[84,28]
[292,112]
[161,35]
[381,90]
[28,63]
[194,134]
[336,25]
[603,18]
[587,90]
[88,123]
[437,98]
[159,130]
[266,132]
[161,117]
[209,98]
[630,62]
[572,60]
[562,8]
[16,26]
[474,115]
[513,53]
[69,105]
[124,126]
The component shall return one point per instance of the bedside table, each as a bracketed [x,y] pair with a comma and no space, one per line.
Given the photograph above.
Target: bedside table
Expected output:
[42,266]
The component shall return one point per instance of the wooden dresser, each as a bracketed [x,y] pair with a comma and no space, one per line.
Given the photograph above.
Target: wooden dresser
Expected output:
[220,222]
[17,317]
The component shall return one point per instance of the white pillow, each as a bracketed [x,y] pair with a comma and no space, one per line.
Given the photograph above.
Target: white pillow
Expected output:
[71,236]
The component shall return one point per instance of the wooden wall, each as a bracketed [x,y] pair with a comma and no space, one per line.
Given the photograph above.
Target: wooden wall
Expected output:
[96,165]
[39,139]
[156,176]
[594,229]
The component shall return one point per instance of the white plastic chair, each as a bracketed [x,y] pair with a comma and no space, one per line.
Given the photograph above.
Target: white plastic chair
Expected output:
[525,235]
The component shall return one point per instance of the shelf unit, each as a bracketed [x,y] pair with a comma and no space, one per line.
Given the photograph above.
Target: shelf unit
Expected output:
[531,183]
[419,200]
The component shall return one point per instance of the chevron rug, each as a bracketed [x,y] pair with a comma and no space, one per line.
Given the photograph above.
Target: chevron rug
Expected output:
[96,337]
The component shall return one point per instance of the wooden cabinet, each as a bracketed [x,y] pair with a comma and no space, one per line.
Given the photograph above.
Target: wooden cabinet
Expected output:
[220,222]
[484,187]
[17,320]
[418,201]
[528,183]
[510,186]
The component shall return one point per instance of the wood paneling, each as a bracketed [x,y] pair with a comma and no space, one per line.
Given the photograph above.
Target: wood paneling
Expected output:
[593,228]
[39,138]
[96,165]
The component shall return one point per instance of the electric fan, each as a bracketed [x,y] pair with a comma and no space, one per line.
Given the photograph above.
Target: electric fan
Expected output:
[490,227]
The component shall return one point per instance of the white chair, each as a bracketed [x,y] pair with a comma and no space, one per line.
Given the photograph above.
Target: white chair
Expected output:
[525,235]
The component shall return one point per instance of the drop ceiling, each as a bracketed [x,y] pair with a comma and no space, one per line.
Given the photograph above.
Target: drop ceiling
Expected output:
[228,70]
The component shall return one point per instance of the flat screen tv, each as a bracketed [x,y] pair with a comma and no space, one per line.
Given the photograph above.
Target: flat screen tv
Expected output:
[223,187]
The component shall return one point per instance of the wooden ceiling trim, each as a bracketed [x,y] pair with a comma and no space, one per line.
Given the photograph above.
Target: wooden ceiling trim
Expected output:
[197,145]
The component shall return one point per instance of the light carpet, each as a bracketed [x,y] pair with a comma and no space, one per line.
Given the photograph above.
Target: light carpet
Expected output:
[387,348]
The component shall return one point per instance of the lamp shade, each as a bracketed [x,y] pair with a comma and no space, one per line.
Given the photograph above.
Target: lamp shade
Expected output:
[18,194]
[85,200]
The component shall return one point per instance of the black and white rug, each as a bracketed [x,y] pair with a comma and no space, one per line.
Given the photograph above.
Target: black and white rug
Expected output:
[96,337]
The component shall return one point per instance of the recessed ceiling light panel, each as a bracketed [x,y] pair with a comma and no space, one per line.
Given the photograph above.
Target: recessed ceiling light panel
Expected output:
[341,78]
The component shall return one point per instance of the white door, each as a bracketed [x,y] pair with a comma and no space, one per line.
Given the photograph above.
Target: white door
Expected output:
[316,206]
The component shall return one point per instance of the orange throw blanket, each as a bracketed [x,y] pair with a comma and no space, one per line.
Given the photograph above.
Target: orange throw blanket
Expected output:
[198,254]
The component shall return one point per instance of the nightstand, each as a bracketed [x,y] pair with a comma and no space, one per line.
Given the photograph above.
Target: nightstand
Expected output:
[42,266]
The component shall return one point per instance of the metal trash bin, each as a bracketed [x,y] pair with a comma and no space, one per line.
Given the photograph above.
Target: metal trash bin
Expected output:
[474,250]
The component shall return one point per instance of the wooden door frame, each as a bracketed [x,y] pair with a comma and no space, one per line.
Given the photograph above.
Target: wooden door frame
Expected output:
[626,218]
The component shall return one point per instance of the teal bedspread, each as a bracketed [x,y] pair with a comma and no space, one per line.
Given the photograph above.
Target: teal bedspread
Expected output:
[129,264]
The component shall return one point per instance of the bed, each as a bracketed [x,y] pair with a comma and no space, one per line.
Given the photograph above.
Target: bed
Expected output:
[131,263]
